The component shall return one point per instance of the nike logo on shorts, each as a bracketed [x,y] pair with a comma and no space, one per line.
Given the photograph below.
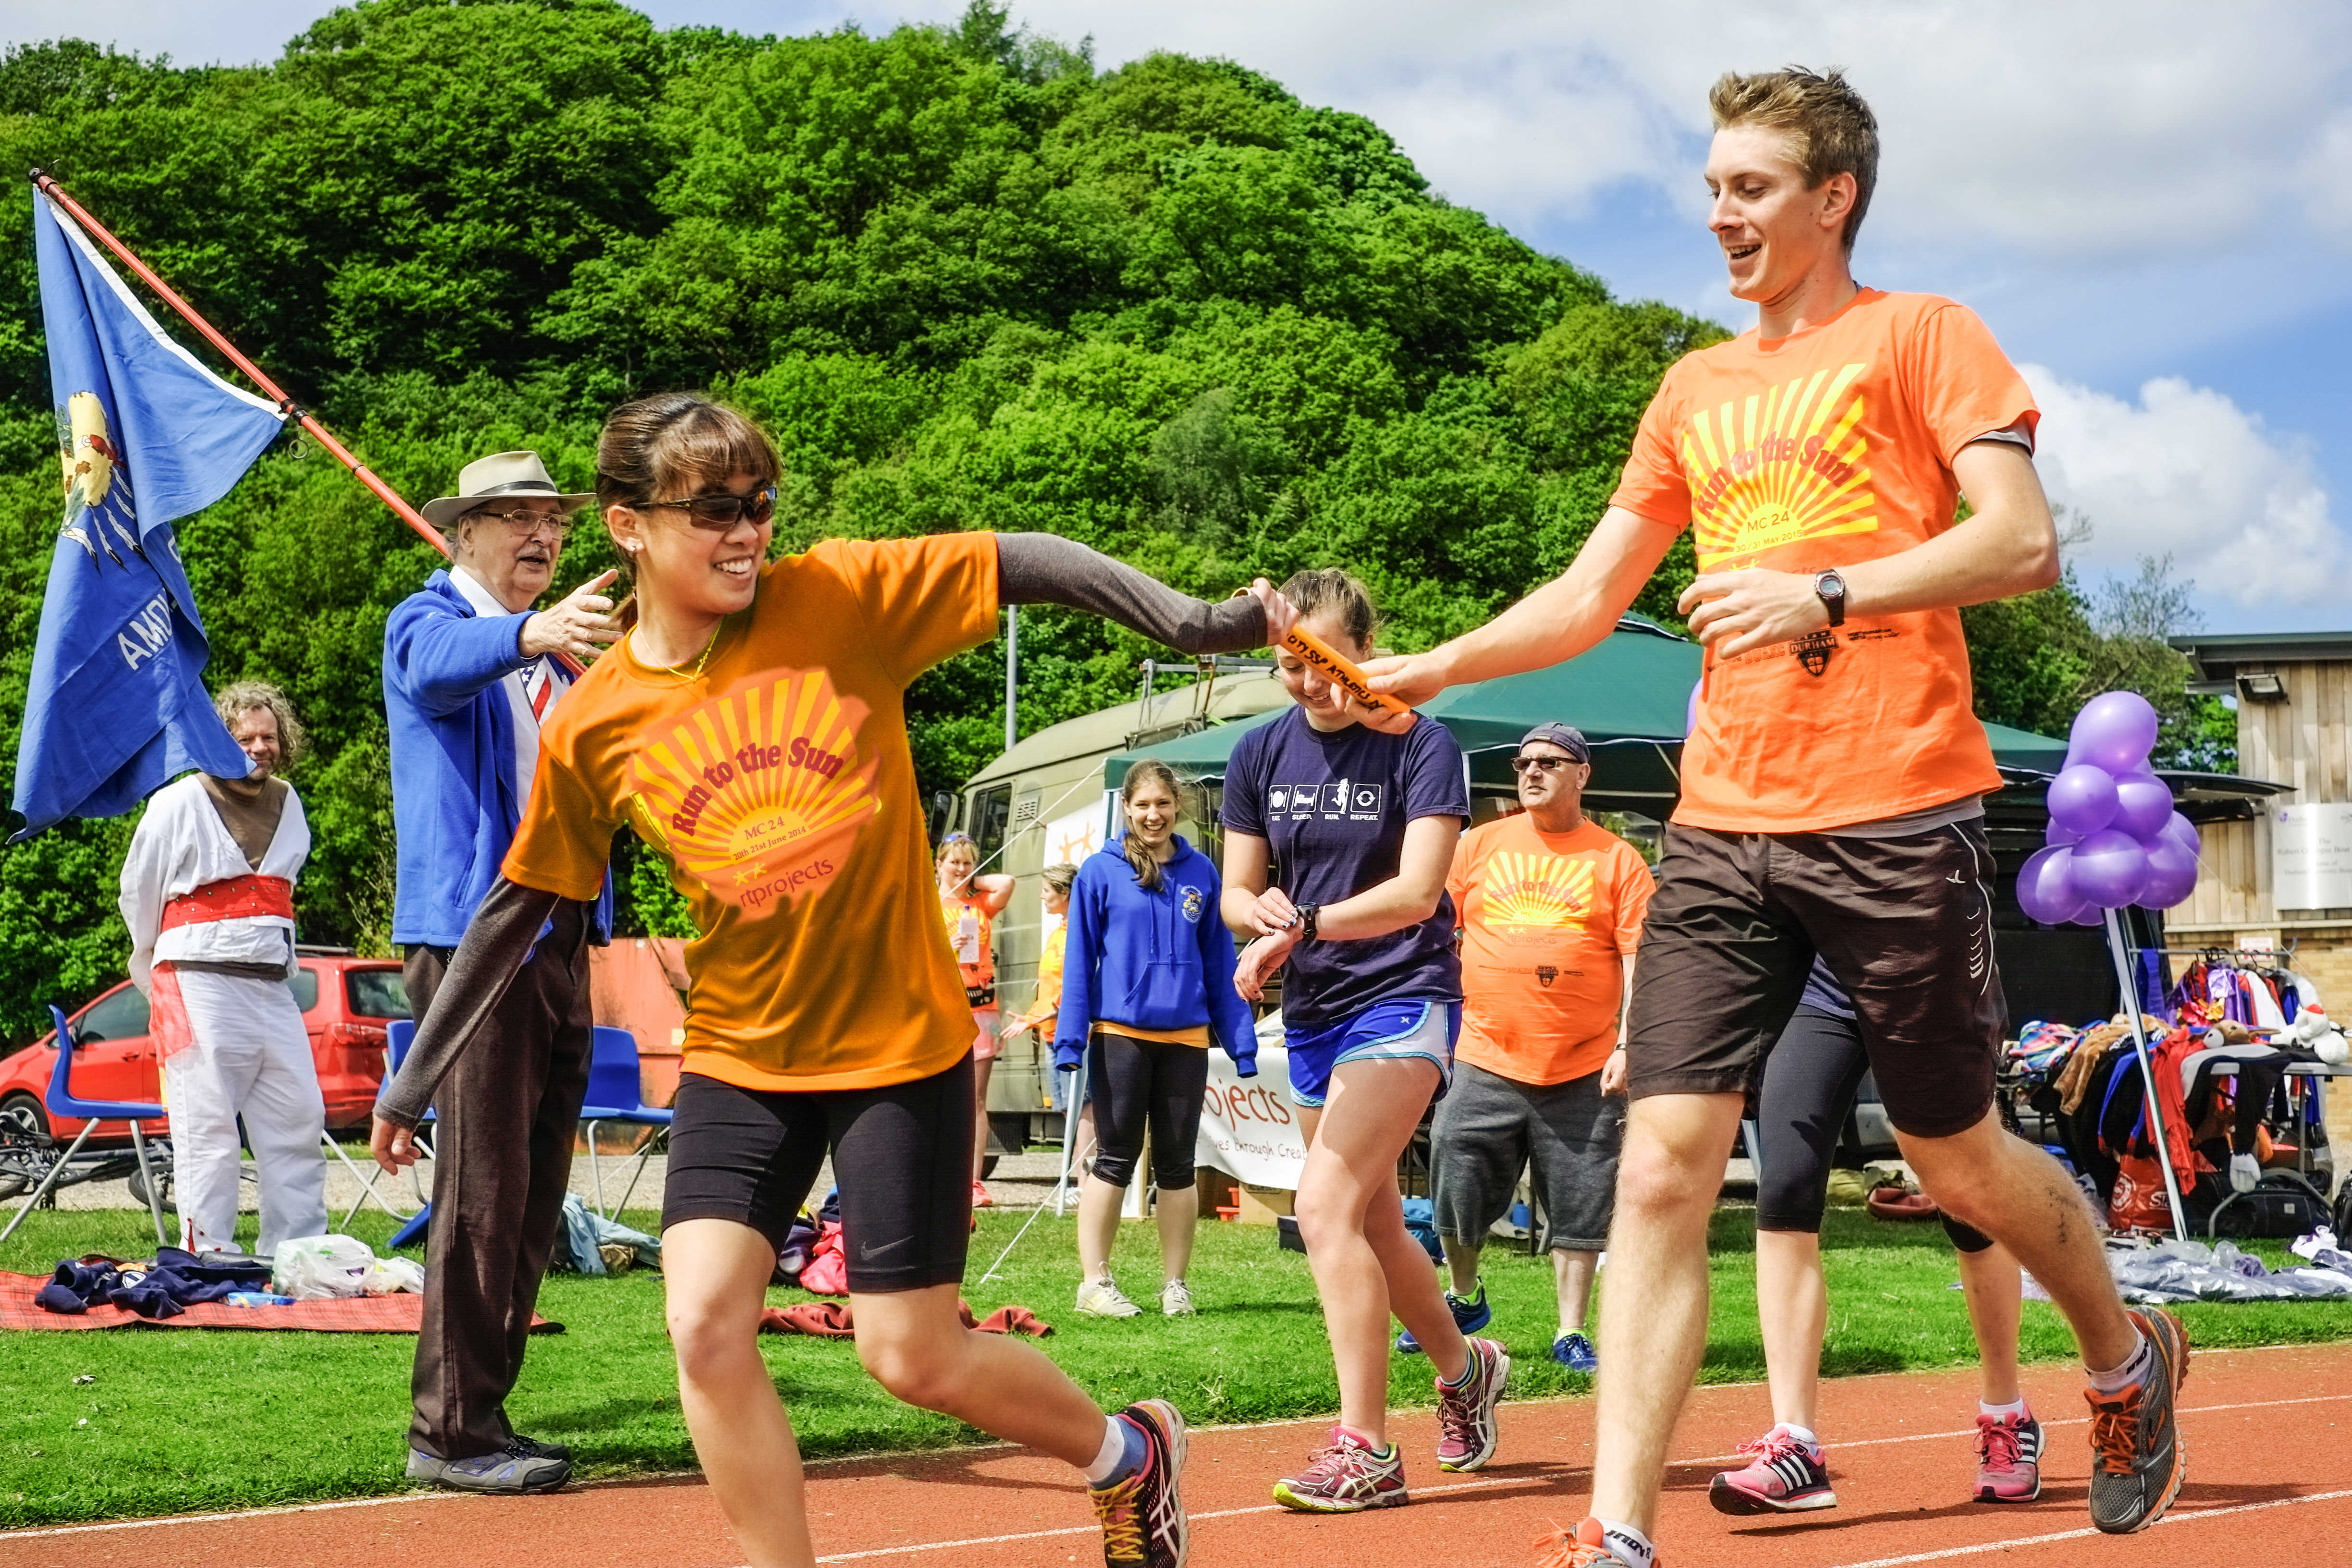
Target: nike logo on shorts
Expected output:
[867,1252]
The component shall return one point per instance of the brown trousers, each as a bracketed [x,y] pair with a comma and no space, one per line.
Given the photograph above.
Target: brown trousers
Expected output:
[504,1121]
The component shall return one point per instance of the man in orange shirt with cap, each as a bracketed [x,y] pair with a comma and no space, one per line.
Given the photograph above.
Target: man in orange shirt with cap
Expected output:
[1550,905]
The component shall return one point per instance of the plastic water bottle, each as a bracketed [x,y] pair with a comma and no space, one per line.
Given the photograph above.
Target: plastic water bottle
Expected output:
[256,1298]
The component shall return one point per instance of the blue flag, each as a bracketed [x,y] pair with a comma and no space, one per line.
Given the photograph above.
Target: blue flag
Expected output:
[118,706]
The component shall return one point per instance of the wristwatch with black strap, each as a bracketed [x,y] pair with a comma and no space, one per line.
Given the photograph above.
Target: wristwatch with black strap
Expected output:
[1832,589]
[1308,915]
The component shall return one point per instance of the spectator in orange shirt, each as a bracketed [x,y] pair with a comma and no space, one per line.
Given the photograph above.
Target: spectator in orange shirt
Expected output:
[969,905]
[1551,907]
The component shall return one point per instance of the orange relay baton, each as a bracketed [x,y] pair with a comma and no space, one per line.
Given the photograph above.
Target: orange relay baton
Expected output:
[1342,672]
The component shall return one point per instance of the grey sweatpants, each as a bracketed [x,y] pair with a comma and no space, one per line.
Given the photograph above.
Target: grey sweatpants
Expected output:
[1489,1128]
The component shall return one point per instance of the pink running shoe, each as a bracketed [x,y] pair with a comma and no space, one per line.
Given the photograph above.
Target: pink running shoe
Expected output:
[1346,1477]
[1786,1477]
[1467,1433]
[2009,1459]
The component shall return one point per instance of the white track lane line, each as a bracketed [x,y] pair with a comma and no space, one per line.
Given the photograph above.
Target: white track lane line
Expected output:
[2070,1421]
[1950,1552]
[436,1495]
[1090,1528]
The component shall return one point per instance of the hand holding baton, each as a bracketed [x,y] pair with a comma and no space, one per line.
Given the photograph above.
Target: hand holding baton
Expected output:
[1340,671]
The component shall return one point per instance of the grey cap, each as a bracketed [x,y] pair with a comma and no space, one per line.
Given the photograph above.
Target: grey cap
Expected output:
[1566,737]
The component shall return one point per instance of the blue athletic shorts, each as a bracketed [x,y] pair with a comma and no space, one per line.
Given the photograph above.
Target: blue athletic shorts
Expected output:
[1386,1031]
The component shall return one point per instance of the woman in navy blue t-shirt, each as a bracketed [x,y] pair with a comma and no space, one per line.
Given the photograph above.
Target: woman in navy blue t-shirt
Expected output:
[1362,825]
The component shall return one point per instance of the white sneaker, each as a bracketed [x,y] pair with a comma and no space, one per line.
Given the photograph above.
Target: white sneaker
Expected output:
[1101,1298]
[1176,1300]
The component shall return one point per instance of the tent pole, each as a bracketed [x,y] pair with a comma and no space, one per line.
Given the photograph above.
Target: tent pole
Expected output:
[2130,992]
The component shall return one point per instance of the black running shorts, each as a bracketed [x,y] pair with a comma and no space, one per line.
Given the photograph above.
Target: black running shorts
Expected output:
[1904,924]
[901,1156]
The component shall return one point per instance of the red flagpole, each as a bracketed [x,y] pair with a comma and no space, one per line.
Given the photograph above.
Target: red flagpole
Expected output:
[408,514]
[391,498]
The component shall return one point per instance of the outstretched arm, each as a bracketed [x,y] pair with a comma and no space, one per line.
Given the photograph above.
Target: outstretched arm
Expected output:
[1559,620]
[497,941]
[1046,569]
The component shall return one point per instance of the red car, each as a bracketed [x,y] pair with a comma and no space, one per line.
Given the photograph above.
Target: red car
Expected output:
[346,1002]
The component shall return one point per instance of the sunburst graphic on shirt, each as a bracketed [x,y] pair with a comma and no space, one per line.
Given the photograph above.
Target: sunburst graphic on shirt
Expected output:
[1778,467]
[759,793]
[1537,895]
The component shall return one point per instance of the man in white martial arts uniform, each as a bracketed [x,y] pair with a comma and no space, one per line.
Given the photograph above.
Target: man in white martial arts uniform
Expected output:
[208,894]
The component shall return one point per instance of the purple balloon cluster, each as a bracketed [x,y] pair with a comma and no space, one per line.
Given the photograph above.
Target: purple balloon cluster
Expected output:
[2114,838]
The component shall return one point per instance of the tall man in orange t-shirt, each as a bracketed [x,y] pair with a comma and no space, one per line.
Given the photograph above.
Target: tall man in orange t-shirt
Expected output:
[1550,905]
[1831,784]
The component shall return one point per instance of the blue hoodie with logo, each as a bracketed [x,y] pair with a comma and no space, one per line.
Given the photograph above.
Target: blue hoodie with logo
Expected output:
[1153,959]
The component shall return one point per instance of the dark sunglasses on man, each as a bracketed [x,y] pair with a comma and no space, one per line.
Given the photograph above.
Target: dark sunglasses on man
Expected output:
[721,512]
[1549,765]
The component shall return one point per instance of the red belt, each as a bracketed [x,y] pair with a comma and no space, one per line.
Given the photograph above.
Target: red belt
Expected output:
[231,898]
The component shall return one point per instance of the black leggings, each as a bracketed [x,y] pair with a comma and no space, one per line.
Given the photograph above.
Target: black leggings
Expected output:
[1135,1081]
[1811,1079]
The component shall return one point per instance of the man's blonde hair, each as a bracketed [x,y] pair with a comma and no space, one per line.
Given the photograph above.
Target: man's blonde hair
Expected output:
[1829,130]
[235,702]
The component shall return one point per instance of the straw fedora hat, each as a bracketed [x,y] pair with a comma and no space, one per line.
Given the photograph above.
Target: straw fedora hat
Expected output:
[504,474]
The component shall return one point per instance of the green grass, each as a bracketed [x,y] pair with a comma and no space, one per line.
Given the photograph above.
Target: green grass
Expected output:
[185,1420]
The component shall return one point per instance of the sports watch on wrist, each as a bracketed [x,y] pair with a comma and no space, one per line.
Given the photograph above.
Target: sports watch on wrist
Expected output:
[1832,589]
[1308,914]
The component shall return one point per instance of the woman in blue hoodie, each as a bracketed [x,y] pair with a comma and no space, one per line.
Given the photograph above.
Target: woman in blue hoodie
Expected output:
[1148,976]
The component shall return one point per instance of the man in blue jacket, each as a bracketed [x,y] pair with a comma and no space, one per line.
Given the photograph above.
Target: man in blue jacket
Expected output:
[470,672]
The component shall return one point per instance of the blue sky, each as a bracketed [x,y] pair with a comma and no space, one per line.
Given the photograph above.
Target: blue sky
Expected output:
[2146,202]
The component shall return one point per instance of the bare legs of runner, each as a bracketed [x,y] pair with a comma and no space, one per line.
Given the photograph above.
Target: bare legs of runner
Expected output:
[1653,1316]
[913,1342]
[1367,1266]
[1792,1298]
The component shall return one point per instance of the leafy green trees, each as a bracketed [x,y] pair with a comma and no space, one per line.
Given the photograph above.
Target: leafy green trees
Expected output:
[964,279]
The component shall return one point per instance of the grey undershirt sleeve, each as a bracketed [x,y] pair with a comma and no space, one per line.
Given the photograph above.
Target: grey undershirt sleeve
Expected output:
[1046,569]
[498,941]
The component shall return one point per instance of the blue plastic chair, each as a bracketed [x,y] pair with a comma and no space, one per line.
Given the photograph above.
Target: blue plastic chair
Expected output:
[61,1102]
[614,1095]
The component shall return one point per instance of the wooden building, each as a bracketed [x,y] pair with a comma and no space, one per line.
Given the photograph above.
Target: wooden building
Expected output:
[2294,728]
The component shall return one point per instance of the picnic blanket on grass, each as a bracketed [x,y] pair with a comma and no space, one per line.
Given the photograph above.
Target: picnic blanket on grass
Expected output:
[397,1314]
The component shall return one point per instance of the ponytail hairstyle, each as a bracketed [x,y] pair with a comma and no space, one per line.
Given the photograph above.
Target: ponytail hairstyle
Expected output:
[1150,769]
[1329,591]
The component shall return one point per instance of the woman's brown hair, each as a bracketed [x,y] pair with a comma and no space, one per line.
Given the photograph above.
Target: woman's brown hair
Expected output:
[676,437]
[1328,589]
[1150,769]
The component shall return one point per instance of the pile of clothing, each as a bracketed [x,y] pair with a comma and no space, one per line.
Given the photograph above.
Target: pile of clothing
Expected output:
[2192,1271]
[161,1286]
[590,1244]
[2041,1048]
[2219,988]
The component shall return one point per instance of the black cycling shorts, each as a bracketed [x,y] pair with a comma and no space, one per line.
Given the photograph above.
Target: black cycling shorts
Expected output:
[901,1156]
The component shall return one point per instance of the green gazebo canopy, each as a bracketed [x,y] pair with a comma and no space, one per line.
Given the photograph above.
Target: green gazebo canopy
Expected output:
[1629,695]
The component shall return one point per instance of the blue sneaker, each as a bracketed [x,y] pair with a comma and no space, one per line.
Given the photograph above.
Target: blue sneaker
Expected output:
[1575,1352]
[1469,1316]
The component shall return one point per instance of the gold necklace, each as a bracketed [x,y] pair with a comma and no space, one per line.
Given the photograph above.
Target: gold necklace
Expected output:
[686,678]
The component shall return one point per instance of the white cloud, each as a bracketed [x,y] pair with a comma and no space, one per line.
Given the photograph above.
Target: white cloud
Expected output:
[2186,470]
[2055,128]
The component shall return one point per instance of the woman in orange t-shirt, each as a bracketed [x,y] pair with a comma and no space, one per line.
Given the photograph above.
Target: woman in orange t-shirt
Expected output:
[969,905]
[749,728]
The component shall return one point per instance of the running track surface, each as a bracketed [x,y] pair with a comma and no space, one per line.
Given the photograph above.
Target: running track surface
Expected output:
[2269,1437]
